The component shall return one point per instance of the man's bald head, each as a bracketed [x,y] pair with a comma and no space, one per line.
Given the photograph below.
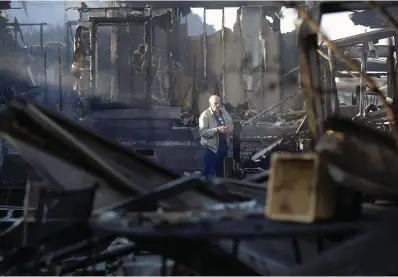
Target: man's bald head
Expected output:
[214,98]
[215,103]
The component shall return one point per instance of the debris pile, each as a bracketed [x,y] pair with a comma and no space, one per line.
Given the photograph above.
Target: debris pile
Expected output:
[262,158]
[251,117]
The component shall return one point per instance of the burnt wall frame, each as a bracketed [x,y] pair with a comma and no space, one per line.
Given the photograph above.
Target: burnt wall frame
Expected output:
[141,18]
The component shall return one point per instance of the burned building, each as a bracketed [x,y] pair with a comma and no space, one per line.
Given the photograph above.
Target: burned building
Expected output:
[312,212]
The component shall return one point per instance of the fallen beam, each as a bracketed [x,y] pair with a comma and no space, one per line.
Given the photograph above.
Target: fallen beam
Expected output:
[365,37]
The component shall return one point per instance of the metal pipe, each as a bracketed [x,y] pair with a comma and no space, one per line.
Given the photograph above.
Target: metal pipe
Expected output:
[362,81]
[224,96]
[204,45]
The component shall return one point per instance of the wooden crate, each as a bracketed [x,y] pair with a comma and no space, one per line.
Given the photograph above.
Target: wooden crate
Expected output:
[299,189]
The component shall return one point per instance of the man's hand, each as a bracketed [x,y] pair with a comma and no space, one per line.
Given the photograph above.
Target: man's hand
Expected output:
[222,129]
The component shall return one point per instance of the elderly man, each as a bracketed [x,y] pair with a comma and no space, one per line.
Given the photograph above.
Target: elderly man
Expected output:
[214,125]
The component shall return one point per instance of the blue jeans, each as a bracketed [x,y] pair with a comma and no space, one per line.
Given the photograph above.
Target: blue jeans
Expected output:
[214,162]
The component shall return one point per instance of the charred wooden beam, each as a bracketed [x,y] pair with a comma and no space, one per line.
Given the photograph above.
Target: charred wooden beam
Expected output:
[364,153]
[310,79]
[119,20]
[365,37]
[369,253]
[93,57]
[93,42]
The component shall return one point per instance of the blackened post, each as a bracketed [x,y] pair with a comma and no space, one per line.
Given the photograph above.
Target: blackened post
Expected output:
[60,79]
[236,141]
[93,27]
[362,95]
[148,59]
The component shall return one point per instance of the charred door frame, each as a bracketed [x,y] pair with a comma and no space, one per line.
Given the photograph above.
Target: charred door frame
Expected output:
[144,17]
